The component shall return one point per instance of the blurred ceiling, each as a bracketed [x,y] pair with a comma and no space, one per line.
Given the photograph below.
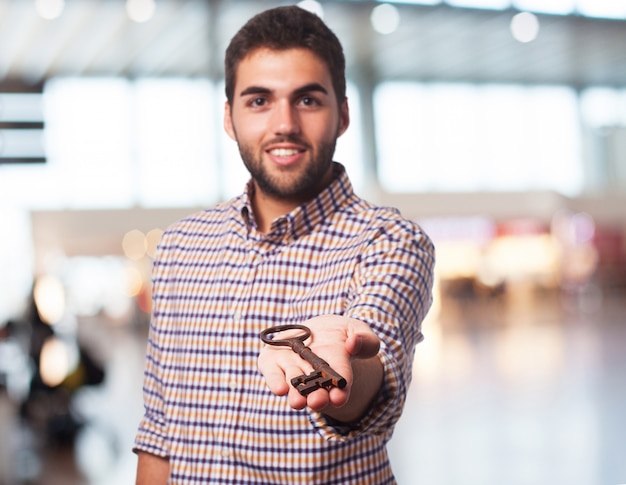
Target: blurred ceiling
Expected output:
[188,38]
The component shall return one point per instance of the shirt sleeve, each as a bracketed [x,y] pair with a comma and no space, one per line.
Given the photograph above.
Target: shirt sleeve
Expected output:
[151,436]
[391,292]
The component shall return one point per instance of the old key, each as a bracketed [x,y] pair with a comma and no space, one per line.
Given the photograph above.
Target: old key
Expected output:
[323,375]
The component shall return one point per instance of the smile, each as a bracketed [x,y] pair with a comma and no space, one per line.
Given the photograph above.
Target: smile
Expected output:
[284,152]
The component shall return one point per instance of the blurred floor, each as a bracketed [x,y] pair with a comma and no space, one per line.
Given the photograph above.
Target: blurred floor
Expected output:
[527,388]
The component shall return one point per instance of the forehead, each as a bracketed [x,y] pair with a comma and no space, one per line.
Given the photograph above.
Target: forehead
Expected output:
[288,68]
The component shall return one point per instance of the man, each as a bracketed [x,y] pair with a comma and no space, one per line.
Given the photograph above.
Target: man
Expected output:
[297,247]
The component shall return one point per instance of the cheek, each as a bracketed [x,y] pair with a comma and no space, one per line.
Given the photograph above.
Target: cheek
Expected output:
[249,130]
[318,128]
[330,129]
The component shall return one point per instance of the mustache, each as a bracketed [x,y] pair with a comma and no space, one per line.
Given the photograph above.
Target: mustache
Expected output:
[296,140]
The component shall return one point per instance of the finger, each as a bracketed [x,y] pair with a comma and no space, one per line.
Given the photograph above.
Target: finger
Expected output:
[275,380]
[269,364]
[318,399]
[295,399]
[338,397]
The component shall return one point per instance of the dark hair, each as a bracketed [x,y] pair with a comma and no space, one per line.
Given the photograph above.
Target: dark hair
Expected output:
[284,28]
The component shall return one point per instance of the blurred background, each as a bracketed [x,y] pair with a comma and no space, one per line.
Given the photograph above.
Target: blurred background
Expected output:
[499,125]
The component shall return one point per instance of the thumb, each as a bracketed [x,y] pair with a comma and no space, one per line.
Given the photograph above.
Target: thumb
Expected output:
[362,346]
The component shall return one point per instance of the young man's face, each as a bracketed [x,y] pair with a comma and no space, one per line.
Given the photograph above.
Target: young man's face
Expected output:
[286,119]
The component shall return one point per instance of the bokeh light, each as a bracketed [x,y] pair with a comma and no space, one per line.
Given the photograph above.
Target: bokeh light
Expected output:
[525,27]
[54,364]
[134,244]
[49,9]
[49,297]
[385,18]
[140,10]
[313,7]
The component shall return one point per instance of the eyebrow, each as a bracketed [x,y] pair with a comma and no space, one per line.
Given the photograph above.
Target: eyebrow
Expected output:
[307,88]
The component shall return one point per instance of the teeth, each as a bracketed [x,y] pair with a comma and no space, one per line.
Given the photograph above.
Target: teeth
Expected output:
[284,152]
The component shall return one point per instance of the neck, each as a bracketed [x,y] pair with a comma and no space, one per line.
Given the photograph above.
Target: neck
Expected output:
[267,208]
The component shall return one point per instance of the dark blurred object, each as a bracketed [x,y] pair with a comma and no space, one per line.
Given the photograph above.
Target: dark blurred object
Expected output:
[48,409]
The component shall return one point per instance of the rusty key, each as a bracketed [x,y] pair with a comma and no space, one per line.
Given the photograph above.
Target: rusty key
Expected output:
[323,375]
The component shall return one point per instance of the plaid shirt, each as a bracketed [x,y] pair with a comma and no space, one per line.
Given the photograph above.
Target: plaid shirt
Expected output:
[218,282]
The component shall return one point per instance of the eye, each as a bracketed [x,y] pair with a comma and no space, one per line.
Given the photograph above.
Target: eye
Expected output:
[257,102]
[309,101]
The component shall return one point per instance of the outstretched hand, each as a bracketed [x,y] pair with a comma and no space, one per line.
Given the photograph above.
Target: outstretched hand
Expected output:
[345,343]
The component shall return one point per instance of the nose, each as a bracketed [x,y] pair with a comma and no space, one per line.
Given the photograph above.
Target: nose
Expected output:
[285,119]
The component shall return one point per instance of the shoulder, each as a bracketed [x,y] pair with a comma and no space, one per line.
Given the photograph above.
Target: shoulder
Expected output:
[382,222]
[208,223]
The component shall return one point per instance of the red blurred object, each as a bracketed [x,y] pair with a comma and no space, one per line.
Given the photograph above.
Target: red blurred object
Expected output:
[610,243]
[521,227]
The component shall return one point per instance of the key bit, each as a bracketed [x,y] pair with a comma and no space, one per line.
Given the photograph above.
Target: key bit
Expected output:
[306,384]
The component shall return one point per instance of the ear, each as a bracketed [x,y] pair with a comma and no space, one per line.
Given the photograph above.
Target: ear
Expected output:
[228,121]
[344,117]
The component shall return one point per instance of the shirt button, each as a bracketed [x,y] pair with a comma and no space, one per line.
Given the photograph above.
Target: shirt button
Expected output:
[237,317]
[225,452]
[234,385]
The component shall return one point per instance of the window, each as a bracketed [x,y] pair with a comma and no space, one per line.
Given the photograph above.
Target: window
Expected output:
[462,137]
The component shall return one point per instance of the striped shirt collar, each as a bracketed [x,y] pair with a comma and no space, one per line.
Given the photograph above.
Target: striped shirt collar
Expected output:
[303,219]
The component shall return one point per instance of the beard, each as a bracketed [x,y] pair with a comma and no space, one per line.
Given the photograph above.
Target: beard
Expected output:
[303,183]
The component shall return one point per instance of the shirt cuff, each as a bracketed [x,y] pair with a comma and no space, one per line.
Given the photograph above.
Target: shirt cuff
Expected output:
[382,416]
[150,438]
